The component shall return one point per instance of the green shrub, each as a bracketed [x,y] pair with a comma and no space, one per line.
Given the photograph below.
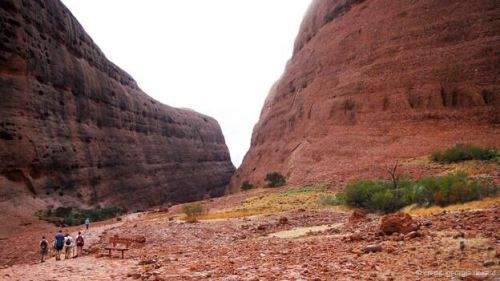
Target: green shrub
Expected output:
[275,179]
[462,152]
[442,191]
[386,201]
[192,211]
[335,200]
[72,216]
[359,193]
[63,212]
[246,185]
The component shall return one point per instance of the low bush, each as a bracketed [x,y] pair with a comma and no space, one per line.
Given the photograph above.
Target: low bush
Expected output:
[246,185]
[275,179]
[462,152]
[382,196]
[304,189]
[73,216]
[334,200]
[192,211]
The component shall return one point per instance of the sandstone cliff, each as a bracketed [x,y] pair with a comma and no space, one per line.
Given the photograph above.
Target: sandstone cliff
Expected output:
[76,130]
[374,81]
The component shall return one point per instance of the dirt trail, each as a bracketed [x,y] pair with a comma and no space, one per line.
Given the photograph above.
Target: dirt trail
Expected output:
[81,268]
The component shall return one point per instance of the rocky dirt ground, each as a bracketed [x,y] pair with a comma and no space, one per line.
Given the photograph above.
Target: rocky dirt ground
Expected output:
[277,234]
[301,241]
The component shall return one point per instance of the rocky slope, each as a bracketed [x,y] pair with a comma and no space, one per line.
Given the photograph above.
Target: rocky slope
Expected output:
[76,130]
[302,242]
[374,81]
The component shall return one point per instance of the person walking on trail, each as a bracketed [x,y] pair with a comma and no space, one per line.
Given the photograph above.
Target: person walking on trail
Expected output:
[68,246]
[87,223]
[44,248]
[79,244]
[59,243]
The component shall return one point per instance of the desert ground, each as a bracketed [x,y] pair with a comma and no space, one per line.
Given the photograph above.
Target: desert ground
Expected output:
[274,234]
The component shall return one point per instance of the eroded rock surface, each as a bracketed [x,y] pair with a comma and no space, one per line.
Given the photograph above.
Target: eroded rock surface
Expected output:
[76,129]
[374,81]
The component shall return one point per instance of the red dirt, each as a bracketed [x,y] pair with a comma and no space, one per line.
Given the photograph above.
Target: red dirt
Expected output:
[241,249]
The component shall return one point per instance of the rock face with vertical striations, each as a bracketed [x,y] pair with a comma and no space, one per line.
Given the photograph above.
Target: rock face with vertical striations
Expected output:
[76,130]
[374,81]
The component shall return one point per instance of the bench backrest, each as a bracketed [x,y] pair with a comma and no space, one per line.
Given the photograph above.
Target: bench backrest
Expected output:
[120,240]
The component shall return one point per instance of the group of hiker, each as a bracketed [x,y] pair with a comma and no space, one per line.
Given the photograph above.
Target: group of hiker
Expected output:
[64,243]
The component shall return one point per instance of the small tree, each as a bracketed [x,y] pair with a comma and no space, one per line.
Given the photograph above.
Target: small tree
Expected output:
[246,185]
[394,176]
[192,211]
[275,179]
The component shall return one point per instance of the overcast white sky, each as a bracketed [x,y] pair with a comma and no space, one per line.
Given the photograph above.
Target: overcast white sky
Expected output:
[218,57]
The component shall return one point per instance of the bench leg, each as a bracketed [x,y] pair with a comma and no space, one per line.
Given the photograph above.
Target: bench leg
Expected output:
[122,253]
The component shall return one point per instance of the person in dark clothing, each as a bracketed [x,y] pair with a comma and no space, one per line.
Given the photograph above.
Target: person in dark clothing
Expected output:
[59,238]
[44,248]
[79,244]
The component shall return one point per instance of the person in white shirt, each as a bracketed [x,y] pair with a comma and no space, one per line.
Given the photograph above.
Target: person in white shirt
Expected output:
[87,223]
[68,246]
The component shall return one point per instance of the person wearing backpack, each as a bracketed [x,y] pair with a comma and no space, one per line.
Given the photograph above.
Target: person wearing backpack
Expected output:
[68,246]
[59,244]
[79,244]
[44,248]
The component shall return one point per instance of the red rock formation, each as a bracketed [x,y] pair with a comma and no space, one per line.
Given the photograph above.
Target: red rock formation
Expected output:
[374,81]
[76,129]
[397,223]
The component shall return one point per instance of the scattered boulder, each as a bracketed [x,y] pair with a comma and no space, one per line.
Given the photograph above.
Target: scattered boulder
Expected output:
[140,239]
[397,223]
[390,250]
[372,248]
[397,236]
[357,216]
[163,210]
[427,223]
[146,262]
[283,220]
[488,263]
[413,234]
[134,275]
[261,227]
[356,236]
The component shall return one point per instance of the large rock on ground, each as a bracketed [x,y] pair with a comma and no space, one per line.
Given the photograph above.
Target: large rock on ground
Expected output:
[371,82]
[76,130]
[397,223]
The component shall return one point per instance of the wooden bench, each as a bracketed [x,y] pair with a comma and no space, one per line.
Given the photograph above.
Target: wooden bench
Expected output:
[115,241]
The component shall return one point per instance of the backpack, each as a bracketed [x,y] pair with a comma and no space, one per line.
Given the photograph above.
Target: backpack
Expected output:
[44,244]
[79,240]
[68,242]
